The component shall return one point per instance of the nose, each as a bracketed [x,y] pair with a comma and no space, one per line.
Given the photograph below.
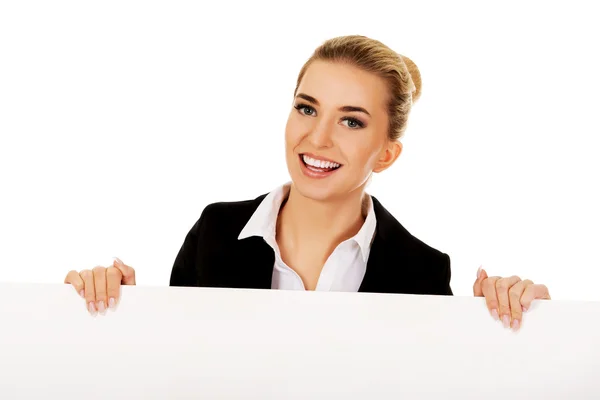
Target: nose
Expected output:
[321,134]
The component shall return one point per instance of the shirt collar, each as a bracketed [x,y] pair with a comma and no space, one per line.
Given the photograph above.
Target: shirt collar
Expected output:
[365,235]
[264,220]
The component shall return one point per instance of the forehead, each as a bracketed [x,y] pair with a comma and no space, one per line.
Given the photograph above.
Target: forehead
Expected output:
[339,84]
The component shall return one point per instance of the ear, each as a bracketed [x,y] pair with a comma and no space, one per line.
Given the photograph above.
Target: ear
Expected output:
[388,156]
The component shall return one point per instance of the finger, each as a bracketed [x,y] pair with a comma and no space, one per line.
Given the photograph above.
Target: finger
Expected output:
[533,292]
[488,287]
[514,296]
[128,272]
[75,280]
[113,286]
[481,276]
[100,284]
[503,285]
[89,290]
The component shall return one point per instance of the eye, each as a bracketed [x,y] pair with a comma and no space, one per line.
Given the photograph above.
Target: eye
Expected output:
[305,109]
[353,123]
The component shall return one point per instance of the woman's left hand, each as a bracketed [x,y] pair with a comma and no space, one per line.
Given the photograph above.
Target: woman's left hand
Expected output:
[508,298]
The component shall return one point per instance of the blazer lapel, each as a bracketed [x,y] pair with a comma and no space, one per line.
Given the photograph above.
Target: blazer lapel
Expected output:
[254,261]
[383,274]
[252,258]
[375,272]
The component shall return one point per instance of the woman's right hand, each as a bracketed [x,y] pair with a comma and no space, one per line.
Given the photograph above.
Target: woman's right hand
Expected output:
[100,287]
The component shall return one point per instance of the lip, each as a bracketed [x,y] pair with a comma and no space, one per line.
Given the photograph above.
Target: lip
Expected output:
[319,158]
[310,173]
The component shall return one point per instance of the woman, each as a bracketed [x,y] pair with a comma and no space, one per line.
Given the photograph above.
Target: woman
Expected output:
[321,231]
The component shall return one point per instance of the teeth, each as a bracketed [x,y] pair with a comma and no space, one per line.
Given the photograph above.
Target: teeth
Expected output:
[319,163]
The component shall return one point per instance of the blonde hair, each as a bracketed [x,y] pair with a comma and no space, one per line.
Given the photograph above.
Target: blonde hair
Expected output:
[400,73]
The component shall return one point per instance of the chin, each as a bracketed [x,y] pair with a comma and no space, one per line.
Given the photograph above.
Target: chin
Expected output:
[314,191]
[323,190]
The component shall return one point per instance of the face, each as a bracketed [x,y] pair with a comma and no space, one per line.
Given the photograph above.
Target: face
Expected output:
[337,131]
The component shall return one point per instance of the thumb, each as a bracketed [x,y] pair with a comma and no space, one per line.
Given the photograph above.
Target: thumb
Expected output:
[477,289]
[127,272]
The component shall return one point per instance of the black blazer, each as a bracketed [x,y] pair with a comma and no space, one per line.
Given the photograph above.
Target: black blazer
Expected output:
[212,255]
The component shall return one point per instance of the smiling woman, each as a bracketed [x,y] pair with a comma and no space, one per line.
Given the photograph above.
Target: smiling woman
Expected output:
[321,231]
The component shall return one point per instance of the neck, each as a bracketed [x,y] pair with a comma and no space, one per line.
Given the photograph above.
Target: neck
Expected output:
[324,224]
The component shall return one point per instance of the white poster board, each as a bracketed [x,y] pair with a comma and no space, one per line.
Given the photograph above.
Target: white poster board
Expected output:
[197,343]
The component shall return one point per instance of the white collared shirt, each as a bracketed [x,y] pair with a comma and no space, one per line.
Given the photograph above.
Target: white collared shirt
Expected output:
[343,271]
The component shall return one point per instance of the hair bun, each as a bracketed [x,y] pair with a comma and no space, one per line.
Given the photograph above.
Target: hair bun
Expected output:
[415,75]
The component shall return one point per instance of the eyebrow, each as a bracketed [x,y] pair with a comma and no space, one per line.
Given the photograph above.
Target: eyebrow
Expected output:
[311,99]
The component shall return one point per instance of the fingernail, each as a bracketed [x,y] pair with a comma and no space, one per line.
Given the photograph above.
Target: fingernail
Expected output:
[515,324]
[495,314]
[82,293]
[506,321]
[101,306]
[117,260]
[479,271]
[91,307]
[112,303]
[524,309]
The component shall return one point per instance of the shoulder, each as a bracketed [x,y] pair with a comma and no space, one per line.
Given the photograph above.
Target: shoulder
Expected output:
[400,242]
[233,208]
[392,230]
[208,245]
[412,265]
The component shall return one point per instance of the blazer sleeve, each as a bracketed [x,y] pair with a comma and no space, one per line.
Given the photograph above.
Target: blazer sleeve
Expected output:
[447,275]
[185,268]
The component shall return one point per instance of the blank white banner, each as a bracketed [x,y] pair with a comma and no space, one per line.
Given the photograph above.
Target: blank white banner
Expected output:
[192,343]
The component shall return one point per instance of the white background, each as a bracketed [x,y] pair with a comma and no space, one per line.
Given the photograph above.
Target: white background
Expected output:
[120,121]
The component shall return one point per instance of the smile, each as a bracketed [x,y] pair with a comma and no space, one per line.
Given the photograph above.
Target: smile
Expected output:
[318,168]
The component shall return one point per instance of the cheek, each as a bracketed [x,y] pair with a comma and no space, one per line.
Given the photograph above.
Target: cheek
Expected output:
[363,154]
[294,131]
